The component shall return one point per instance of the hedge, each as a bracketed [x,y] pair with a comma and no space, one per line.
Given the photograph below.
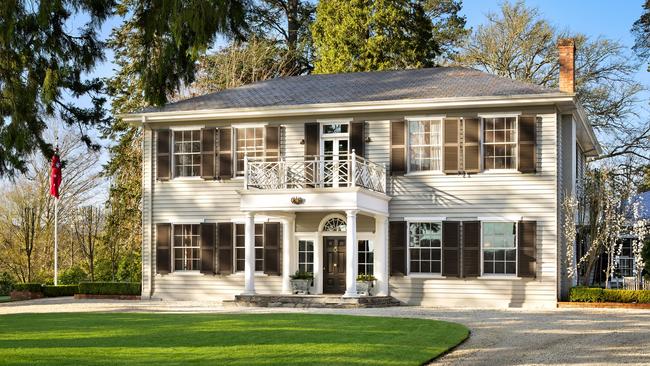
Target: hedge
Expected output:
[109,288]
[590,294]
[31,287]
[62,290]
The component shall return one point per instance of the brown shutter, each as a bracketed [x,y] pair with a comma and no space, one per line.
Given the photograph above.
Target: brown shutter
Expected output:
[471,248]
[451,146]
[527,154]
[272,143]
[527,243]
[450,248]
[312,140]
[225,153]
[163,248]
[208,233]
[208,153]
[163,157]
[225,247]
[272,248]
[397,147]
[356,138]
[471,147]
[397,244]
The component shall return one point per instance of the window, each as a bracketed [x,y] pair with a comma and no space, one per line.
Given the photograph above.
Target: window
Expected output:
[333,128]
[425,242]
[240,256]
[366,257]
[499,248]
[306,256]
[500,143]
[334,224]
[249,142]
[187,248]
[425,145]
[187,153]
[626,267]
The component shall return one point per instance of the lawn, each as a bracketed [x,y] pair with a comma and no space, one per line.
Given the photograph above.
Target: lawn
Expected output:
[5,298]
[243,339]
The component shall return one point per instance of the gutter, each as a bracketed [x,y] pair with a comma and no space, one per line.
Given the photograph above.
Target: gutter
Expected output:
[348,107]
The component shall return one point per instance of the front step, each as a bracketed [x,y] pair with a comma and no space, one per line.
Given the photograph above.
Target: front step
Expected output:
[311,301]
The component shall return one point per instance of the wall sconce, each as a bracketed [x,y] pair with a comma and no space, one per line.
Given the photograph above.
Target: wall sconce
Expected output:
[302,142]
[368,139]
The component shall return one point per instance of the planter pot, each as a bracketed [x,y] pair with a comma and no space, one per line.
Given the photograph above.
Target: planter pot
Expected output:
[300,287]
[364,287]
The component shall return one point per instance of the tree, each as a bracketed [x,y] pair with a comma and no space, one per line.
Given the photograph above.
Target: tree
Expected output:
[519,44]
[28,228]
[364,35]
[43,61]
[641,32]
[87,225]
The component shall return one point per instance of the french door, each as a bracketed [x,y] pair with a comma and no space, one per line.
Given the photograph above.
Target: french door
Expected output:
[336,164]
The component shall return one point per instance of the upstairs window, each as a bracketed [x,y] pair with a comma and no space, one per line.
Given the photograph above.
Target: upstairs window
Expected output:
[500,143]
[249,141]
[187,153]
[499,248]
[425,147]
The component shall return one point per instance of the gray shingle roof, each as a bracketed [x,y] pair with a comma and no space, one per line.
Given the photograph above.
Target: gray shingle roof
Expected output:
[439,82]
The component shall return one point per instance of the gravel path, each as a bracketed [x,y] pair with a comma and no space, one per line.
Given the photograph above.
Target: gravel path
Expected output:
[499,337]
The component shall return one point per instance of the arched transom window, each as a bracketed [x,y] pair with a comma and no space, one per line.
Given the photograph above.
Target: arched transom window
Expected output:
[335,224]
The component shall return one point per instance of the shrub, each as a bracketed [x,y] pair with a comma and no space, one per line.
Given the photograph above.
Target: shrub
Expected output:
[589,294]
[644,297]
[130,268]
[6,284]
[63,290]
[31,287]
[73,276]
[302,276]
[626,296]
[586,294]
[109,288]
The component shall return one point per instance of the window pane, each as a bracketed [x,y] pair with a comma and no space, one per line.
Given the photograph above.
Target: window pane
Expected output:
[187,150]
[424,145]
[499,143]
[499,248]
[249,142]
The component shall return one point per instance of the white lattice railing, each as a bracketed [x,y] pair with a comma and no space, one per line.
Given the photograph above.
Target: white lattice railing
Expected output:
[318,171]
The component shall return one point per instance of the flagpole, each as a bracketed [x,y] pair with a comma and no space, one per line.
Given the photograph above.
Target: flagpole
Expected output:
[56,241]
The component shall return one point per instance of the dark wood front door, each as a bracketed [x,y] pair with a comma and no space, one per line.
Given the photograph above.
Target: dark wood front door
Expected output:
[334,270]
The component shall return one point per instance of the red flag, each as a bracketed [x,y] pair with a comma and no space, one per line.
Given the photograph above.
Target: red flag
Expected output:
[55,176]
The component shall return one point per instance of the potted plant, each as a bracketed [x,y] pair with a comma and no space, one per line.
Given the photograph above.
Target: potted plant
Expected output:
[365,283]
[300,282]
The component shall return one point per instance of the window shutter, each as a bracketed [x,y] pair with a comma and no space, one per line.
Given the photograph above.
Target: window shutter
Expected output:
[225,247]
[272,143]
[451,146]
[208,153]
[471,248]
[471,146]
[163,156]
[356,138]
[397,244]
[208,233]
[312,140]
[225,153]
[527,155]
[527,243]
[397,147]
[450,248]
[163,248]
[272,248]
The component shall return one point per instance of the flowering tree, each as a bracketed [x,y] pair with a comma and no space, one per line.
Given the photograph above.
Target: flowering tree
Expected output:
[640,233]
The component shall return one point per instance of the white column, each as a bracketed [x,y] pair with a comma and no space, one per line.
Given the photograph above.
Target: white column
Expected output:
[351,255]
[287,253]
[380,264]
[249,254]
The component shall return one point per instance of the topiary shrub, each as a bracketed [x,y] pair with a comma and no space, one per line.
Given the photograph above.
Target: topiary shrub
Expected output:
[63,290]
[6,284]
[31,287]
[110,288]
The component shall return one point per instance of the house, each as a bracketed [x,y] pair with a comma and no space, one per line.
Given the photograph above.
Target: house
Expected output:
[444,183]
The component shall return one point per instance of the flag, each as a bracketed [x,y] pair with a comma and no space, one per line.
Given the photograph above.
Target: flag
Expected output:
[55,176]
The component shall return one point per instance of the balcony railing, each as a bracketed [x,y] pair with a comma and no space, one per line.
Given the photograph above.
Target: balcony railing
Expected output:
[317,171]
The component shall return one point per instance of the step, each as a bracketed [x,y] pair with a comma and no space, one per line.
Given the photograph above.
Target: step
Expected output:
[311,301]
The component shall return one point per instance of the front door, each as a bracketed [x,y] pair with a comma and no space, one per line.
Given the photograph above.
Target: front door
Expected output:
[334,270]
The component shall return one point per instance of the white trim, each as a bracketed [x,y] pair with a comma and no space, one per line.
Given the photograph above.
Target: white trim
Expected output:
[499,114]
[325,219]
[334,120]
[514,219]
[425,117]
[249,125]
[410,221]
[177,221]
[186,127]
[259,219]
[424,219]
[504,275]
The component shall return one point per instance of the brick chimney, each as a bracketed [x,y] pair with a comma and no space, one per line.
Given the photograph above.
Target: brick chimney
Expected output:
[567,50]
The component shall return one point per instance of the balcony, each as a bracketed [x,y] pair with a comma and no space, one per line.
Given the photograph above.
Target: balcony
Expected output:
[314,183]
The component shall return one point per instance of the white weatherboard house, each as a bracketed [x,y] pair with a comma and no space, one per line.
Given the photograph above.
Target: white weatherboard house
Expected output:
[444,183]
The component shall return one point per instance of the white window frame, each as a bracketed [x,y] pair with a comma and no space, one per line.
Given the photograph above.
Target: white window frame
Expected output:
[313,251]
[501,275]
[371,244]
[173,248]
[407,140]
[482,142]
[236,130]
[235,247]
[173,153]
[408,247]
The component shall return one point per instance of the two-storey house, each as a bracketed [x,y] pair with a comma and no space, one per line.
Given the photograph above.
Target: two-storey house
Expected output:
[444,183]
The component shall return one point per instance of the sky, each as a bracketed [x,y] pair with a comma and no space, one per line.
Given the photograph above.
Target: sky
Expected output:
[611,19]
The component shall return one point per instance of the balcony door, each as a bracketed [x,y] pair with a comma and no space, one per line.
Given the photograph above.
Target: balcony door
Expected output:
[335,147]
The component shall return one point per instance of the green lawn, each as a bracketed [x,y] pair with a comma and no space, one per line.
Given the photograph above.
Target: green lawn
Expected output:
[244,339]
[5,298]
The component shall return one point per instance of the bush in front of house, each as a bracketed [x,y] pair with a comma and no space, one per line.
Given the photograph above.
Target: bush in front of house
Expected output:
[110,288]
[31,287]
[73,276]
[592,294]
[6,284]
[62,290]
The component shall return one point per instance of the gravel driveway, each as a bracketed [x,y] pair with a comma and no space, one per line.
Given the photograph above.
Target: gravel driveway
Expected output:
[499,337]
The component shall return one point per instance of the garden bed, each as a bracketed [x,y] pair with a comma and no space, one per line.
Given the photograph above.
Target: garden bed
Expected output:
[106,297]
